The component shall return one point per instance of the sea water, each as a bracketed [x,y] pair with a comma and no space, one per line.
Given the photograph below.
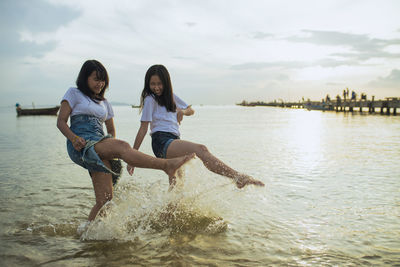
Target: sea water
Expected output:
[332,194]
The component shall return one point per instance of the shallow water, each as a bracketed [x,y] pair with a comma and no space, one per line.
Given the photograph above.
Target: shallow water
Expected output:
[332,194]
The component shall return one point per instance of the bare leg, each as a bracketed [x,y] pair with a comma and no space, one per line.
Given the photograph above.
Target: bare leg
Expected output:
[103,190]
[114,148]
[180,148]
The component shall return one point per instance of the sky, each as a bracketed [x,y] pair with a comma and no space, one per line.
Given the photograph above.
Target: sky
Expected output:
[217,51]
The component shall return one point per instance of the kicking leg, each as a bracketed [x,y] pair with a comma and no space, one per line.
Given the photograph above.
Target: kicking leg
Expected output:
[114,148]
[180,148]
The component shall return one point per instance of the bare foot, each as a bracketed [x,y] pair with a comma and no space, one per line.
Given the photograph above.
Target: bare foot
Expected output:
[244,180]
[175,163]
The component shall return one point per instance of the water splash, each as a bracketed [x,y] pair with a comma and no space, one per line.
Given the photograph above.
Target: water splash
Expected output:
[136,211]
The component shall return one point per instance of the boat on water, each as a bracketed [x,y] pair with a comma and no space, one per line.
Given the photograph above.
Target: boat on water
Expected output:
[318,106]
[310,106]
[36,111]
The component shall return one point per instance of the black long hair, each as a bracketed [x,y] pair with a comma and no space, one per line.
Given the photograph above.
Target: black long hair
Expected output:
[167,97]
[82,81]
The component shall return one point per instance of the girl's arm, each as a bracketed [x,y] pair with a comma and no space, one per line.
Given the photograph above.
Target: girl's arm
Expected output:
[63,115]
[110,126]
[144,125]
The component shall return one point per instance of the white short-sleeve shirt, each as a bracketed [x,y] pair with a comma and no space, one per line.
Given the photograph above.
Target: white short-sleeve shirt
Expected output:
[160,119]
[82,104]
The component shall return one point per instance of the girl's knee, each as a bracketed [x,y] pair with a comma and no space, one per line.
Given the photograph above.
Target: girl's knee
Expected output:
[124,147]
[122,143]
[201,150]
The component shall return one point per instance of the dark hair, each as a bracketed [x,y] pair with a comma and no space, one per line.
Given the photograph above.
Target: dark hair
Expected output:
[82,81]
[167,97]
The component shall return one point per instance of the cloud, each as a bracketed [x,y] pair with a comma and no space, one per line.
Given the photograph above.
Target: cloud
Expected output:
[264,65]
[190,24]
[390,81]
[326,63]
[184,58]
[362,47]
[261,35]
[257,43]
[331,63]
[29,17]
[334,84]
[13,47]
[364,56]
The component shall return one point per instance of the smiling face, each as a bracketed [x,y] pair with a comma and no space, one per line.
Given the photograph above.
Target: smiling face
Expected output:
[156,85]
[95,84]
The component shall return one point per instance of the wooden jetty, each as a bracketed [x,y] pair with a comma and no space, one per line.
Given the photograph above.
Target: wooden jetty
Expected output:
[387,106]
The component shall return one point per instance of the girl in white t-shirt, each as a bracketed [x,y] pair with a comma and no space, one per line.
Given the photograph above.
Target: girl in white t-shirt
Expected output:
[88,146]
[164,111]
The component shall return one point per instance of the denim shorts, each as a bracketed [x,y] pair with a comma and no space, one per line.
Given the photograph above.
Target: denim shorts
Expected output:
[90,128]
[160,142]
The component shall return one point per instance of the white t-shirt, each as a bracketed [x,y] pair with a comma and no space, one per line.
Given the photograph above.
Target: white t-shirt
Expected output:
[158,116]
[82,104]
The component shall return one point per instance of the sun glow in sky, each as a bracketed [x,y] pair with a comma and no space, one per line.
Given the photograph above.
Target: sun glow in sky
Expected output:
[217,52]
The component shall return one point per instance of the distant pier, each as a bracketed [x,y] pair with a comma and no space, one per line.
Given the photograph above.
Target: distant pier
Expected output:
[388,106]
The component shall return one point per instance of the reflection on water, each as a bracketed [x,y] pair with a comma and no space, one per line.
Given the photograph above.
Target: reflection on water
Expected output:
[332,194]
[306,138]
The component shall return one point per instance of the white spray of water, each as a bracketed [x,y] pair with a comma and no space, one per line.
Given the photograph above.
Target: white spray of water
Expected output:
[197,204]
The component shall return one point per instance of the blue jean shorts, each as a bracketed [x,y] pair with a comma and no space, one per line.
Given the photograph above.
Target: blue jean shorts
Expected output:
[90,128]
[160,142]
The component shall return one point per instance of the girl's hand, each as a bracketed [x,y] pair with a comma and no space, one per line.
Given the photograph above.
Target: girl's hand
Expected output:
[189,111]
[130,169]
[78,143]
[179,115]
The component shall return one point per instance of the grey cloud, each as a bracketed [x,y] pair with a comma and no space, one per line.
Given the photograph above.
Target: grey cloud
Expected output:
[184,58]
[331,63]
[327,63]
[392,80]
[394,76]
[334,83]
[330,38]
[264,65]
[362,45]
[261,35]
[281,77]
[32,16]
[190,24]
[12,47]
[363,56]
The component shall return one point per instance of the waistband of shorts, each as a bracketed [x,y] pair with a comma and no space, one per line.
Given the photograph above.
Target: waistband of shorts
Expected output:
[84,117]
[161,133]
